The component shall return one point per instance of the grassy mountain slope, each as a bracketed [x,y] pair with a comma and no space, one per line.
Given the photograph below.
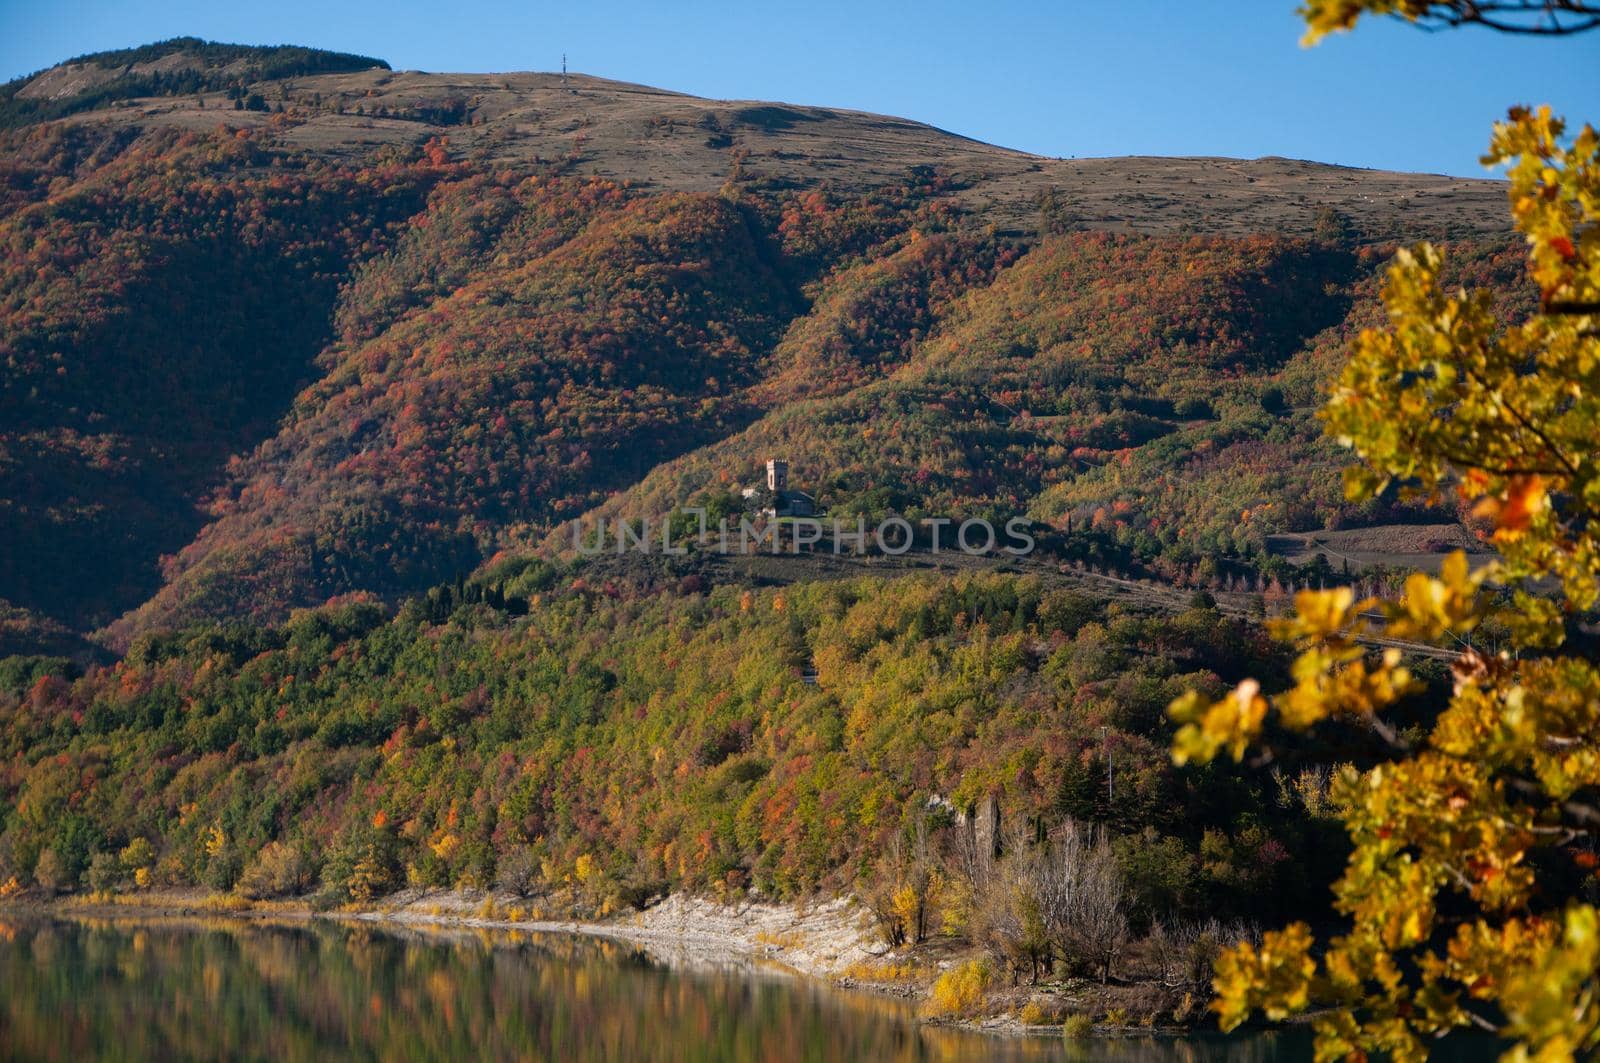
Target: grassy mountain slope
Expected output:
[668,141]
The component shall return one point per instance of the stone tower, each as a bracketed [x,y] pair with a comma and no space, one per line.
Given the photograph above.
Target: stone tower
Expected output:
[777,475]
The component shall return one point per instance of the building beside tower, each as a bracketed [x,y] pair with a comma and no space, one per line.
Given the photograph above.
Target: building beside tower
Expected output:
[780,500]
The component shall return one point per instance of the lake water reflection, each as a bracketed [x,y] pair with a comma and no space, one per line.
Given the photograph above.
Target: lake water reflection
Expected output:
[153,989]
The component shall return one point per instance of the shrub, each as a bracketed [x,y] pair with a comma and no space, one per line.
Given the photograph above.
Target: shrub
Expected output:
[1077,1027]
[886,918]
[51,873]
[278,870]
[373,874]
[1186,953]
[104,872]
[222,870]
[960,990]
[138,855]
[1035,1014]
[518,871]
[882,971]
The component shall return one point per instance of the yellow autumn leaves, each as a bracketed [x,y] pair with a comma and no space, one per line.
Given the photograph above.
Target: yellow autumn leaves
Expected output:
[1449,397]
[1212,726]
[1449,924]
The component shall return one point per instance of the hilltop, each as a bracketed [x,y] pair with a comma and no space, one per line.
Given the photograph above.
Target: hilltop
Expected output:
[349,108]
[176,67]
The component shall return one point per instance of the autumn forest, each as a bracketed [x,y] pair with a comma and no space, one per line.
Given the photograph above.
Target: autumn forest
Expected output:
[306,367]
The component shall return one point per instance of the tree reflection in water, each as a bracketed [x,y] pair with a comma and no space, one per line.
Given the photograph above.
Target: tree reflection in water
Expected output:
[186,989]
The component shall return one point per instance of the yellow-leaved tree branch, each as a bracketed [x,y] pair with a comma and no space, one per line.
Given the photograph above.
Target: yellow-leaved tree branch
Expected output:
[1458,894]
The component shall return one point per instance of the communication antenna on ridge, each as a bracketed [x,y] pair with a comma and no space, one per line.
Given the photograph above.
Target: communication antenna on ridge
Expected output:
[563,70]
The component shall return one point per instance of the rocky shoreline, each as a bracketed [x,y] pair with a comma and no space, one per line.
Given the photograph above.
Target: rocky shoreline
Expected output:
[830,941]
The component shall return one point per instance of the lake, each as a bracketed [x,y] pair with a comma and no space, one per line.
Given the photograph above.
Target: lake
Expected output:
[156,989]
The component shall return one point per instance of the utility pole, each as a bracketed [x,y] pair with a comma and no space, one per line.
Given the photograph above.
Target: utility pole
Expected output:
[1105,751]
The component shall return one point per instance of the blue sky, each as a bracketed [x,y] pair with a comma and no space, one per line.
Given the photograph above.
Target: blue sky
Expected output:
[1070,77]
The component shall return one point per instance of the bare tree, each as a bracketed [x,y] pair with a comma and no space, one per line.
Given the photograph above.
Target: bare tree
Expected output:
[969,860]
[906,887]
[1008,921]
[1186,953]
[1004,917]
[518,871]
[1081,899]
[1059,896]
[920,882]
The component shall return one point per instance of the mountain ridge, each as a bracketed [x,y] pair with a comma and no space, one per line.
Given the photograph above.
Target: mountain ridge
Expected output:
[671,140]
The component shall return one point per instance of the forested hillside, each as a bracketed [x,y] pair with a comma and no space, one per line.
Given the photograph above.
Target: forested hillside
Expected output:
[1160,390]
[162,301]
[331,397]
[306,367]
[253,362]
[245,371]
[646,736]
